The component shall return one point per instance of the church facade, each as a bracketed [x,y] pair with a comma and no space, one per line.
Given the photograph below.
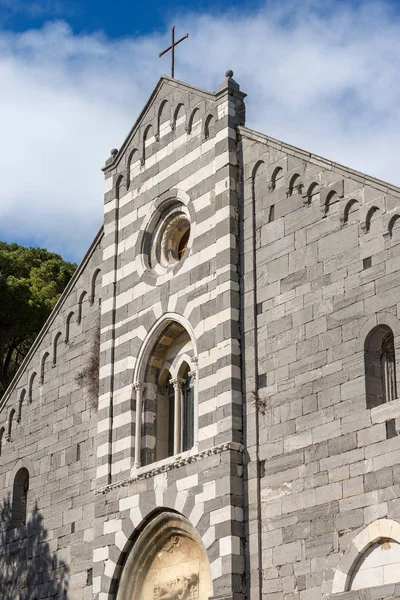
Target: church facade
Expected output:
[240,313]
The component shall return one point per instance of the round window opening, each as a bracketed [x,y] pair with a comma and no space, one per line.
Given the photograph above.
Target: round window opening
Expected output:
[169,239]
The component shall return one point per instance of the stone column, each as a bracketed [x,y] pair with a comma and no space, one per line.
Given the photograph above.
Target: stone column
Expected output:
[177,383]
[139,388]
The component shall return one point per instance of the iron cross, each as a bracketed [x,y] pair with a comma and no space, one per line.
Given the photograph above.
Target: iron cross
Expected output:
[172,47]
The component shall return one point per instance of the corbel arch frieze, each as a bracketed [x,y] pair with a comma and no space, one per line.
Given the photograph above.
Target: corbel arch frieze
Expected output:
[366,211]
[389,222]
[327,191]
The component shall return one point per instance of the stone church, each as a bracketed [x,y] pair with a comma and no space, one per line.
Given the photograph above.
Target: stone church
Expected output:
[243,443]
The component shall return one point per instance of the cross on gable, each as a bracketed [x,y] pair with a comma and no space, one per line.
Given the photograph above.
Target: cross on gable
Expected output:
[172,48]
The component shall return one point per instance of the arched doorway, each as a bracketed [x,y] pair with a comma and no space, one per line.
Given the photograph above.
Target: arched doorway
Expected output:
[167,562]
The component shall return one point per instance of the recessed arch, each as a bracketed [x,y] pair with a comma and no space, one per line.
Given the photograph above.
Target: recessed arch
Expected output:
[167,557]
[259,185]
[20,404]
[294,184]
[30,386]
[260,164]
[179,116]
[120,187]
[209,127]
[313,193]
[81,300]
[331,198]
[10,424]
[351,211]
[163,117]
[194,119]
[371,214]
[394,223]
[43,366]
[93,284]
[56,340]
[68,325]
[133,156]
[147,135]
[277,179]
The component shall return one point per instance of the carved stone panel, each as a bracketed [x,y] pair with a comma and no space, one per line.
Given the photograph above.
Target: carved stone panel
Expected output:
[167,562]
[177,572]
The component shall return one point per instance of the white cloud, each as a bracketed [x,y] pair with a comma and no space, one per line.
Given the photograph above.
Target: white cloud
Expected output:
[324,80]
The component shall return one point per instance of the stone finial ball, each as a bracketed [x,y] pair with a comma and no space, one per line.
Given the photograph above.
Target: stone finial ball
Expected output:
[229,73]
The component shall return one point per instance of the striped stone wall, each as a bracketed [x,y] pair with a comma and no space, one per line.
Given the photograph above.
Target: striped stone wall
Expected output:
[183,146]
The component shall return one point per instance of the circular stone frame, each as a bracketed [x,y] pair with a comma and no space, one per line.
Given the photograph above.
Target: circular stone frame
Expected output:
[150,541]
[165,238]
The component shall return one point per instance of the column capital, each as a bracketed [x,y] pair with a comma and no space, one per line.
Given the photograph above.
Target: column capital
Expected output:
[139,386]
[177,382]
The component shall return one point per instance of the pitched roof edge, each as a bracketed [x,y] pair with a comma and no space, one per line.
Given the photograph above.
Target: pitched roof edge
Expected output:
[51,318]
[163,78]
[383,186]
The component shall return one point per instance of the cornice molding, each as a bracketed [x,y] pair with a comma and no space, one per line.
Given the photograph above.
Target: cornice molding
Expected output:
[176,464]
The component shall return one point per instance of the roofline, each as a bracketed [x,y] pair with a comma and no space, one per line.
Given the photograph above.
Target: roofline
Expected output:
[163,78]
[379,184]
[51,318]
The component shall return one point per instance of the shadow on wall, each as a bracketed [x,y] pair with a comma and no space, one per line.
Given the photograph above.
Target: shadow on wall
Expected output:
[28,568]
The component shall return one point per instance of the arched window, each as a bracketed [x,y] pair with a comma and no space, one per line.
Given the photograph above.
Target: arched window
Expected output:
[20,498]
[380,366]
[165,398]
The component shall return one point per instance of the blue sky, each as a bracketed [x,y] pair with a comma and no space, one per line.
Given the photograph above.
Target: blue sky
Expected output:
[116,18]
[319,74]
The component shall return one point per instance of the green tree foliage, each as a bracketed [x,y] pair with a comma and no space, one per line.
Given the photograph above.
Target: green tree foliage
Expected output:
[31,282]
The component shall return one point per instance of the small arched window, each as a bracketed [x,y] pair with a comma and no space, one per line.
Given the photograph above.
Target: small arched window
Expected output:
[380,366]
[20,498]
